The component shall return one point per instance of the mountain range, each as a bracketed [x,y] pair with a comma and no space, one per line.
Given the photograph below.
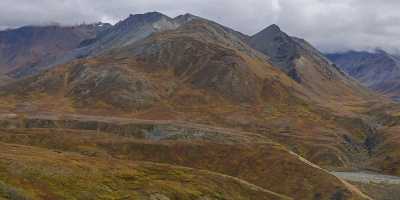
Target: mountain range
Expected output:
[156,107]
[377,70]
[30,47]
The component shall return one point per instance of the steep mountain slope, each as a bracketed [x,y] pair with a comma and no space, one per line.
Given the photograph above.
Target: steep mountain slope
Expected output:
[32,46]
[207,56]
[306,65]
[200,54]
[377,70]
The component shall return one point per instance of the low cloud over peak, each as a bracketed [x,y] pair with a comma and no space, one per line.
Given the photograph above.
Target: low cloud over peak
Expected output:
[330,25]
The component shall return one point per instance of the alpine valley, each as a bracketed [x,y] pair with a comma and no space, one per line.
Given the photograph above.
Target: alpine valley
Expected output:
[161,108]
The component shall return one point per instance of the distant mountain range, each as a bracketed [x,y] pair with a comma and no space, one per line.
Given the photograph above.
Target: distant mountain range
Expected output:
[377,70]
[188,92]
[24,49]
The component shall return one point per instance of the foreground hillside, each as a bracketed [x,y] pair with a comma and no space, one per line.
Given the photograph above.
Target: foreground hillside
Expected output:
[37,173]
[106,143]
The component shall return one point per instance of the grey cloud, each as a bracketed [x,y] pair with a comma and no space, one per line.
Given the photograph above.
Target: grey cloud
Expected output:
[330,25]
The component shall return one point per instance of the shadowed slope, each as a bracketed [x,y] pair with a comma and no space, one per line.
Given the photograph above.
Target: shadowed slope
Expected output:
[28,47]
[378,70]
[128,31]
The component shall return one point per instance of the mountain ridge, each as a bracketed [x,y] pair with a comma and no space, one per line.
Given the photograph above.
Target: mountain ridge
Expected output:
[307,66]
[32,45]
[377,70]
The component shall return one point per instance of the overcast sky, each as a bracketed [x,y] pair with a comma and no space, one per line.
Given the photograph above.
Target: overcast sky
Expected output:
[331,25]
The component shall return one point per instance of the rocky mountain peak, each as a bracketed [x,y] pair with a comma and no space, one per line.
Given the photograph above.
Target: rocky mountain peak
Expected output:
[301,61]
[273,28]
[181,19]
[277,45]
[139,19]
[149,16]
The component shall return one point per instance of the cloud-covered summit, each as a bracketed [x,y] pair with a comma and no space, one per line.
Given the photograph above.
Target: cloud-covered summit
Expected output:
[330,25]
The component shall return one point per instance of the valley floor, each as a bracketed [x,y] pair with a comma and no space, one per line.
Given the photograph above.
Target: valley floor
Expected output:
[377,186]
[48,156]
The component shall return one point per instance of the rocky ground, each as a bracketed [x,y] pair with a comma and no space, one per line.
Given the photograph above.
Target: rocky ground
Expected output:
[377,186]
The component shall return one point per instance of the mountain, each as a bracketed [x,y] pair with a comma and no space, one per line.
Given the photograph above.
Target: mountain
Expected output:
[32,46]
[265,115]
[200,55]
[227,96]
[377,70]
[130,30]
[280,47]
[306,65]
[125,32]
